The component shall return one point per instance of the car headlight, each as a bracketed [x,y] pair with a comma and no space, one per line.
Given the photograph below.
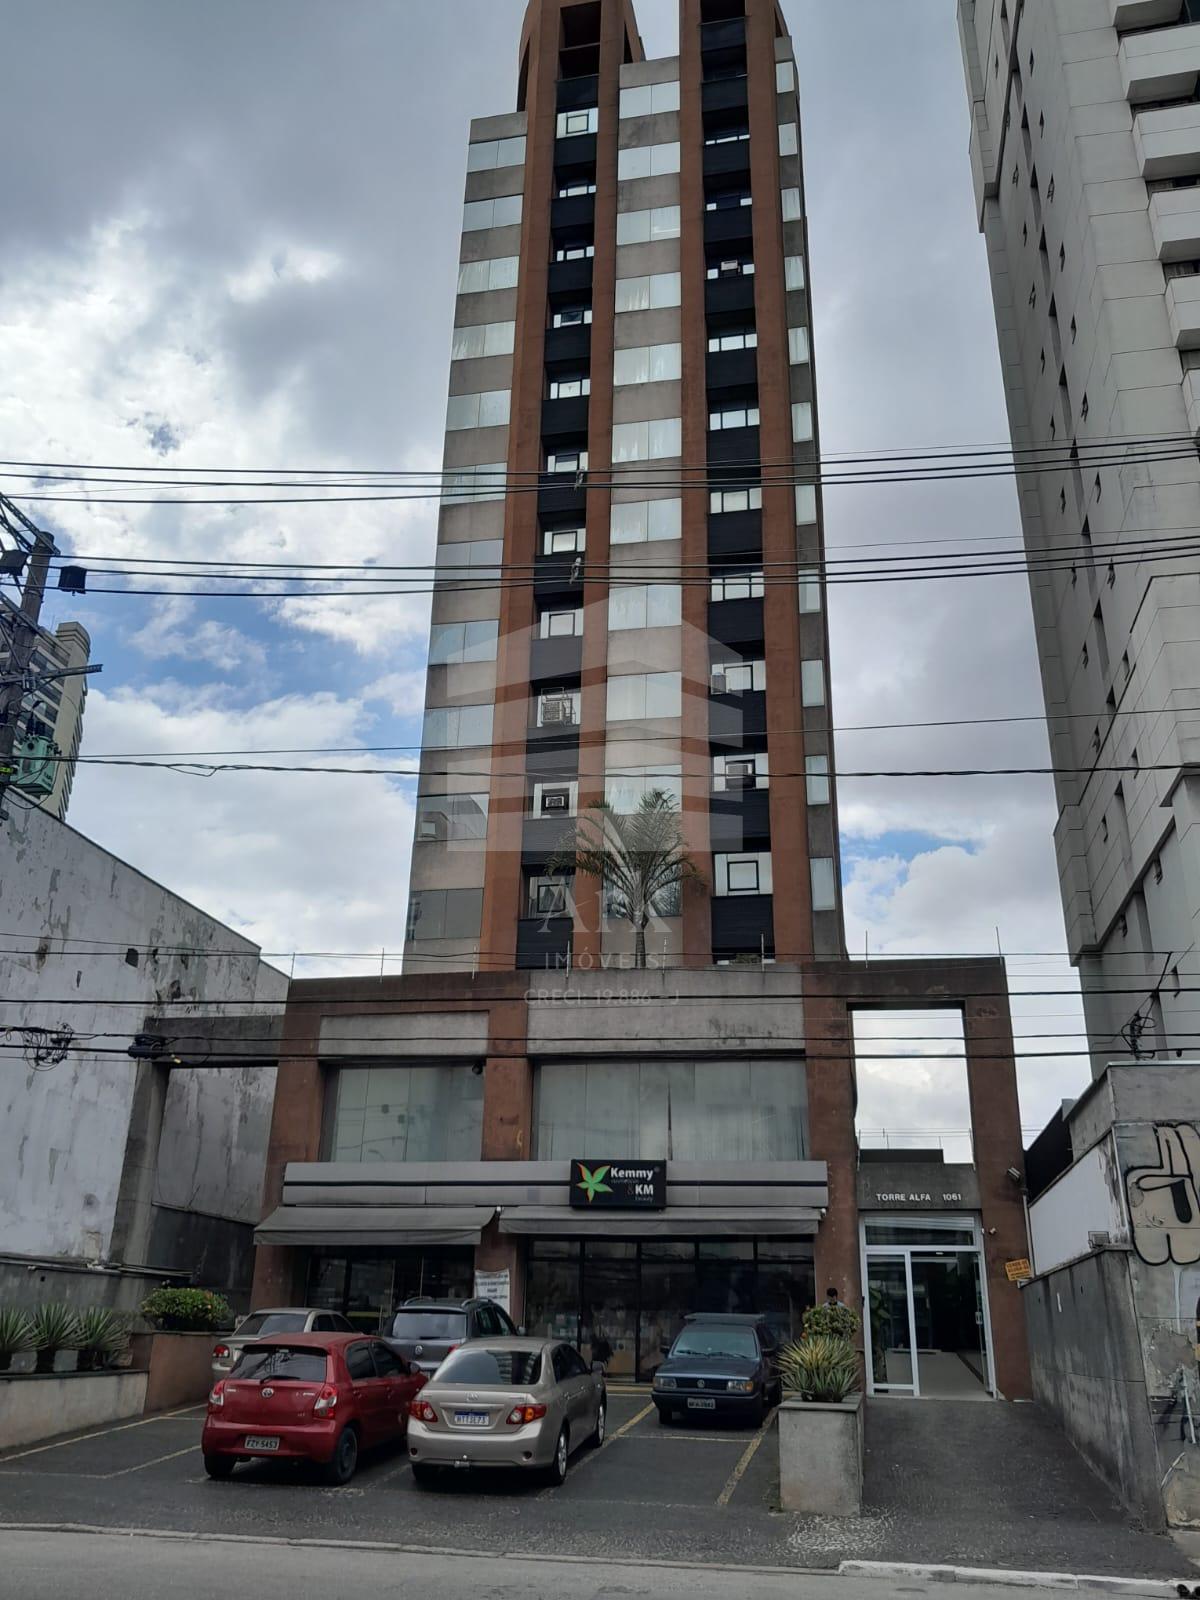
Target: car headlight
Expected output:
[740,1385]
[664,1383]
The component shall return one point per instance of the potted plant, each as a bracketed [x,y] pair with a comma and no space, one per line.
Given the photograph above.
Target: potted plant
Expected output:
[102,1335]
[187,1310]
[821,1418]
[16,1335]
[55,1328]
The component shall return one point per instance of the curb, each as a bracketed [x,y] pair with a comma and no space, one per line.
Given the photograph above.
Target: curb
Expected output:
[1157,1588]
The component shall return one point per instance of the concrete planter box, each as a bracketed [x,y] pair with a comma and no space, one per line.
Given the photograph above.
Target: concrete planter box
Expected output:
[821,1456]
[179,1366]
[35,1407]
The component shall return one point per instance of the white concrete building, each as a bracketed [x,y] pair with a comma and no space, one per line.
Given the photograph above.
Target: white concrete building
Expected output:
[1085,146]
[116,1172]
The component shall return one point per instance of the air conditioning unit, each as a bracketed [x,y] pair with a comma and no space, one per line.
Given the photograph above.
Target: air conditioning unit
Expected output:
[558,710]
[718,683]
[556,800]
[1100,1239]
[429,828]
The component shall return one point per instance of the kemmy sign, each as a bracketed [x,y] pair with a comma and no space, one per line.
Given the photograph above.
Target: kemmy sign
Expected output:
[619,1185]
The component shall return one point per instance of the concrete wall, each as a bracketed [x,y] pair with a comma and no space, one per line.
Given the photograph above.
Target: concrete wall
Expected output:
[1086,1359]
[88,950]
[32,1409]
[1085,1199]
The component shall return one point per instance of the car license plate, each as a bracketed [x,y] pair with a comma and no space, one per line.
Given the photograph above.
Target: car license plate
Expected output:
[255,1441]
[702,1405]
[471,1419]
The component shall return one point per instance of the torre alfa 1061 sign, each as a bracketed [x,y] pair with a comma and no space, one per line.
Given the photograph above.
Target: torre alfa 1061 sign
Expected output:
[619,1185]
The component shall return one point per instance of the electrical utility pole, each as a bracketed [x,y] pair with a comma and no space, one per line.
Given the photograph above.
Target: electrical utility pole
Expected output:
[19,627]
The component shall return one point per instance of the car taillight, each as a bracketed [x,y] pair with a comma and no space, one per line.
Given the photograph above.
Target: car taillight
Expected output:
[325,1401]
[220,1352]
[422,1411]
[522,1414]
[216,1397]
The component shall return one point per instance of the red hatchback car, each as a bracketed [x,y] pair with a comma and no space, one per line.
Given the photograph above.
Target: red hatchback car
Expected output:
[308,1397]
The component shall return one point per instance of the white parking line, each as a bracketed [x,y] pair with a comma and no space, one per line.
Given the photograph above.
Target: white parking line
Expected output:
[82,1438]
[141,1466]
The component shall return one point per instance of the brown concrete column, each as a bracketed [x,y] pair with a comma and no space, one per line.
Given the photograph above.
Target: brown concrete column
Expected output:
[831,1107]
[781,614]
[696,662]
[296,1118]
[996,1130]
[507,1132]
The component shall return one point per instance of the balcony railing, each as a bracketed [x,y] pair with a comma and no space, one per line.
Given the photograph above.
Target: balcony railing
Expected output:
[1163,64]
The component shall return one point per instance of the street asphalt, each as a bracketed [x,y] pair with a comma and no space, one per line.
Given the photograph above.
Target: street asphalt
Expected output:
[947,1482]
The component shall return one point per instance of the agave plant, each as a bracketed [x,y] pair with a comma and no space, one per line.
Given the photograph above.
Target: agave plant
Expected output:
[101,1335]
[820,1367]
[16,1335]
[55,1328]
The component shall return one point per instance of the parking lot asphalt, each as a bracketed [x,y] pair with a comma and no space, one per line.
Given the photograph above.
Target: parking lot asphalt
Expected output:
[699,1492]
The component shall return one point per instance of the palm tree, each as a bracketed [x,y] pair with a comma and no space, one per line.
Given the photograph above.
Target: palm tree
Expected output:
[639,858]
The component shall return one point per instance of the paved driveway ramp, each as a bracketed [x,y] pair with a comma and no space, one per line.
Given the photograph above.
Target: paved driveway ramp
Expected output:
[984,1485]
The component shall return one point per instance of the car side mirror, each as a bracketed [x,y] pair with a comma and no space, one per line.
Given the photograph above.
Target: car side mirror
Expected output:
[521,1331]
[598,1368]
[665,1349]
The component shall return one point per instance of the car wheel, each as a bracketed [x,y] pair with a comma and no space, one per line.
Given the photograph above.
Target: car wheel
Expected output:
[556,1472]
[345,1458]
[665,1418]
[424,1474]
[220,1466]
[597,1438]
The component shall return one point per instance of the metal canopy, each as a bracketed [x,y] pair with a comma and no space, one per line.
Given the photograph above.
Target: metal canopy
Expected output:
[374,1225]
[676,1222]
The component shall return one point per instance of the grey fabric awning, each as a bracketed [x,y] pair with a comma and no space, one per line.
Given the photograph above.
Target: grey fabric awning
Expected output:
[374,1225]
[676,1222]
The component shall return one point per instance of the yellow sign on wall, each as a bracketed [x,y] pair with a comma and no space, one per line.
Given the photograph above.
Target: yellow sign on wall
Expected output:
[1018,1270]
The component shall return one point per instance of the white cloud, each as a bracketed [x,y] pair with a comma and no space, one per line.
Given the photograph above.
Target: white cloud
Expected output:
[294,861]
[171,630]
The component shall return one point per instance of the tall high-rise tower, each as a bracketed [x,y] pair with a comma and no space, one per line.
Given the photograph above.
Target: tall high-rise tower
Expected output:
[1085,145]
[629,592]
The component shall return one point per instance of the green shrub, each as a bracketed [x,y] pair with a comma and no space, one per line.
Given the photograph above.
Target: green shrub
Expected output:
[55,1328]
[16,1334]
[103,1335]
[833,1321]
[819,1367]
[187,1310]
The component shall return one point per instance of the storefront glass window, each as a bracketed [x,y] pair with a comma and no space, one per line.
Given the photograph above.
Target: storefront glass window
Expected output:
[366,1287]
[786,1285]
[609,1308]
[407,1114]
[668,1289]
[552,1289]
[923,1233]
[682,1111]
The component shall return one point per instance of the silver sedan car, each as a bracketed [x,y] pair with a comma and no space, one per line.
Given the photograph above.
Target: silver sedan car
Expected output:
[275,1320]
[507,1403]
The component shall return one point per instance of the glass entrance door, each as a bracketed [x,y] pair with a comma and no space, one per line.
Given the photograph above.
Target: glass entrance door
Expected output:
[889,1303]
[927,1325]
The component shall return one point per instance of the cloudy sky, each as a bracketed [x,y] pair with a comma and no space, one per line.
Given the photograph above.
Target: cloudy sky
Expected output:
[230,241]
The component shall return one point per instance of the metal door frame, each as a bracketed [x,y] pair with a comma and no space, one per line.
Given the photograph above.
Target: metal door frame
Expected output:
[906,1252]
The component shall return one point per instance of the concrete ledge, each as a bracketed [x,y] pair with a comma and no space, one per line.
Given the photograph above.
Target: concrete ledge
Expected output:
[1159,1588]
[41,1406]
[179,1365]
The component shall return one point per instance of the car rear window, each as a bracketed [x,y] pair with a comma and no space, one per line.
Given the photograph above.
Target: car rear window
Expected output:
[261,1362]
[260,1322]
[477,1366]
[449,1325]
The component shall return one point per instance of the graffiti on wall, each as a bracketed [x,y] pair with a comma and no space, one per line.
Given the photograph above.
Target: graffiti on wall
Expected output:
[1164,1198]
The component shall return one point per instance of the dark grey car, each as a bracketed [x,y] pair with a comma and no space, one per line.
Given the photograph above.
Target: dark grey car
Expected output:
[719,1366]
[424,1332]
